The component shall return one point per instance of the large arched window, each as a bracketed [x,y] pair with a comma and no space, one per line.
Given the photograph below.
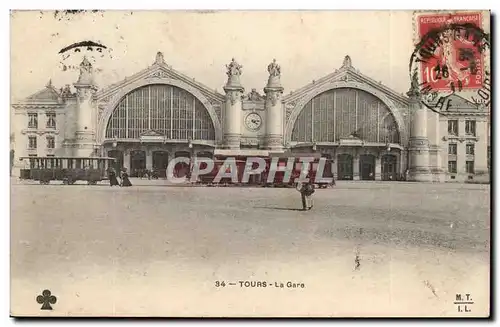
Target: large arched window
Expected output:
[339,113]
[166,109]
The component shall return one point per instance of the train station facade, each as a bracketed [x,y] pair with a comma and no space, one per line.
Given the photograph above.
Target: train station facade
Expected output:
[368,130]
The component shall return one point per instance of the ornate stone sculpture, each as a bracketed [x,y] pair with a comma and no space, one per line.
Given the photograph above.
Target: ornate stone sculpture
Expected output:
[234,96]
[86,65]
[254,96]
[289,107]
[233,72]
[344,78]
[274,97]
[414,86]
[159,58]
[347,63]
[233,69]
[160,74]
[274,75]
[274,69]
[86,72]
[66,91]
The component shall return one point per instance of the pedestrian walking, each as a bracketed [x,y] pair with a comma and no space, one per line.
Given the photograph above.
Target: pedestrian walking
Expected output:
[306,190]
[113,181]
[125,178]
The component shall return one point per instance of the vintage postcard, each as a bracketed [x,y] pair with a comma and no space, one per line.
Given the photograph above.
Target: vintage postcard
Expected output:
[250,163]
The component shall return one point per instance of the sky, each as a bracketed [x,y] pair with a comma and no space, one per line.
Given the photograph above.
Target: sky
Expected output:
[307,44]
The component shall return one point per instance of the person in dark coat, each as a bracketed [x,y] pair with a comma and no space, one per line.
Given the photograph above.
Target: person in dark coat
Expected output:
[125,179]
[306,190]
[113,181]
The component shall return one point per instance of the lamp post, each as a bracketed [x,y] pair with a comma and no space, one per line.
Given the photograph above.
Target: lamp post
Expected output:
[95,153]
[190,146]
[115,141]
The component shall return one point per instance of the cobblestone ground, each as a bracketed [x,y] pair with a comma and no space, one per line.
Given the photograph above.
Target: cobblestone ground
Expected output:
[366,248]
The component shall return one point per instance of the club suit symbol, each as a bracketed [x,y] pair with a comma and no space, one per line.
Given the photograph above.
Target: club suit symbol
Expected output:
[46,299]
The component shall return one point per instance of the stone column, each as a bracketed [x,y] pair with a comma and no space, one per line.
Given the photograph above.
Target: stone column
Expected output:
[149,158]
[334,168]
[274,109]
[233,106]
[85,136]
[355,168]
[378,167]
[126,159]
[419,142]
[398,165]
[404,162]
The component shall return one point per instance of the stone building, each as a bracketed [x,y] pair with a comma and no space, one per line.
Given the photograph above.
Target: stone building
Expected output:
[369,131]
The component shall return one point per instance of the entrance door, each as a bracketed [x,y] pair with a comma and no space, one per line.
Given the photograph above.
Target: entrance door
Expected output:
[344,167]
[389,167]
[182,169]
[328,169]
[118,155]
[367,167]
[137,163]
[160,163]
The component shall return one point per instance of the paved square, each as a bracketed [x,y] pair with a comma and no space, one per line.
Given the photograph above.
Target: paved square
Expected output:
[365,249]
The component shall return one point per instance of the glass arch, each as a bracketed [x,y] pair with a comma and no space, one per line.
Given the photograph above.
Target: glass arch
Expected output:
[340,113]
[163,108]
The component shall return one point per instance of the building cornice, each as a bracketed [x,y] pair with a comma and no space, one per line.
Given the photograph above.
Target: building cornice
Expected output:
[36,106]
[465,114]
[39,131]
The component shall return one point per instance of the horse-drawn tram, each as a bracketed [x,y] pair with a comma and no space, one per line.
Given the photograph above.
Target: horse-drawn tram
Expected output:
[266,178]
[66,169]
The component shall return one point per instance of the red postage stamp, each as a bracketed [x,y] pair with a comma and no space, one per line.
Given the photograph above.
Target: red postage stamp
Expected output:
[451,54]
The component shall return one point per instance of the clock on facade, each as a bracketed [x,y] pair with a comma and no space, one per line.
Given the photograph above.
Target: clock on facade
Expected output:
[253,121]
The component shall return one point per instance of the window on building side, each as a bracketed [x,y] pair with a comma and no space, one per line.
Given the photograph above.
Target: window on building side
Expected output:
[469,149]
[470,127]
[452,167]
[452,148]
[33,120]
[51,143]
[469,166]
[32,142]
[453,127]
[51,120]
[32,160]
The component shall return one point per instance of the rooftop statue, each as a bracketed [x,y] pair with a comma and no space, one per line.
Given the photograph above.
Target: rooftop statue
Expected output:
[274,69]
[234,69]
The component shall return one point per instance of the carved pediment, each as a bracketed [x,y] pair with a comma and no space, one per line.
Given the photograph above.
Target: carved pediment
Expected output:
[459,103]
[346,76]
[47,95]
[164,74]
[160,74]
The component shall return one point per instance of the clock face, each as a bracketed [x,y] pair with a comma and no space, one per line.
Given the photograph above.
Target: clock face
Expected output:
[253,121]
